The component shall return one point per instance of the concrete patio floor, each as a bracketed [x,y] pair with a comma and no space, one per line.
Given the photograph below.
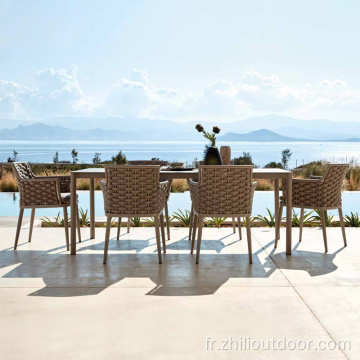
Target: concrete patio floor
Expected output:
[57,306]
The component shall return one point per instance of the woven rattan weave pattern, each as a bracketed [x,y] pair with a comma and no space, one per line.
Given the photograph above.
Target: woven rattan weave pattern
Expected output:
[148,162]
[226,190]
[39,190]
[318,193]
[134,190]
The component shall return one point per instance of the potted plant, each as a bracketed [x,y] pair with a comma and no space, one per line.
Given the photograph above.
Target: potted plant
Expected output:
[212,154]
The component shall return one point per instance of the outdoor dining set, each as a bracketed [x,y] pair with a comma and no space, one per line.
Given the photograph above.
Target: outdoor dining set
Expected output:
[142,189]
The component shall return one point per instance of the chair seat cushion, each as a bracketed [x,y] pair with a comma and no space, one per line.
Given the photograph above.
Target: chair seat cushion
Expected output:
[66,198]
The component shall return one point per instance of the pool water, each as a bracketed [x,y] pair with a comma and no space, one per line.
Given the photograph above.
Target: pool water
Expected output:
[9,203]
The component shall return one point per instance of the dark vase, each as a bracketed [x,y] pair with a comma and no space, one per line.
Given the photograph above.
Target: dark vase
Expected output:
[212,156]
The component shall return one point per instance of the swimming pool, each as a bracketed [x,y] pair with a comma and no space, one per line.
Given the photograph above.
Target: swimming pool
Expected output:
[9,203]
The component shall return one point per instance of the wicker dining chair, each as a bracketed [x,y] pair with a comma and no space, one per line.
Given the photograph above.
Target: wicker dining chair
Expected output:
[135,191]
[224,190]
[42,192]
[318,193]
[143,163]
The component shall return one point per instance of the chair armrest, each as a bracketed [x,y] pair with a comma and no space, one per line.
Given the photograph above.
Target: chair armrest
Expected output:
[315,177]
[192,181]
[37,191]
[65,181]
[163,192]
[305,192]
[165,187]
[103,186]
[194,188]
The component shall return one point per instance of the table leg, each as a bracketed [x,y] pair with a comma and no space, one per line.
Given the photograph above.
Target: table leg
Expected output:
[92,209]
[73,214]
[288,214]
[277,199]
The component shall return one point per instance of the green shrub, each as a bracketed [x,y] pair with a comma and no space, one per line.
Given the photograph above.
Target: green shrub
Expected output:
[182,217]
[352,220]
[267,221]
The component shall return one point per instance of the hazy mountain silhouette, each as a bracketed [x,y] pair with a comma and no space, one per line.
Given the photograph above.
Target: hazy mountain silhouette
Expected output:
[132,128]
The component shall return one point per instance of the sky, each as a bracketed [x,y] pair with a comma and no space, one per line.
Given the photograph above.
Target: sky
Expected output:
[180,60]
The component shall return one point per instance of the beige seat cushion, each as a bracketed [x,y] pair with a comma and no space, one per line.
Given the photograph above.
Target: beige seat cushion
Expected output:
[66,198]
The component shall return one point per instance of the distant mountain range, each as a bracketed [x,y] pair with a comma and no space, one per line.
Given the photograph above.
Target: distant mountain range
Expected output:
[264,128]
[269,136]
[41,132]
[262,135]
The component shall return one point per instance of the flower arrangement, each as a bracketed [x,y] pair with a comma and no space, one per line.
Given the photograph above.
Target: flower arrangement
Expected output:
[208,135]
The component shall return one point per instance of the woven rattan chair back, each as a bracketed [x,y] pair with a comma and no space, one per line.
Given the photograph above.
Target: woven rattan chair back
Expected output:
[148,162]
[322,193]
[332,184]
[22,171]
[225,189]
[133,190]
[38,193]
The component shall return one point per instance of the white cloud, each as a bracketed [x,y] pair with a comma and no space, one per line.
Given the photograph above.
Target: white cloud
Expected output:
[58,92]
[136,97]
[267,93]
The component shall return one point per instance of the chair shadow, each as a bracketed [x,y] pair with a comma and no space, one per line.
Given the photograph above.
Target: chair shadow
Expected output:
[314,263]
[178,275]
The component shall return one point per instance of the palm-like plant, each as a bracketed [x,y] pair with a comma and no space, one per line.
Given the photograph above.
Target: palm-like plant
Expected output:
[218,221]
[136,221]
[57,222]
[83,218]
[251,220]
[352,220]
[48,222]
[182,217]
[306,221]
[150,221]
[268,221]
[328,218]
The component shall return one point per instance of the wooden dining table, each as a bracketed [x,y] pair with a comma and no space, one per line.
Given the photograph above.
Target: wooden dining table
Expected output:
[99,173]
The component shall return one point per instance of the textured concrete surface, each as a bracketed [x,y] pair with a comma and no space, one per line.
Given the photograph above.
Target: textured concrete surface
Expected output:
[57,306]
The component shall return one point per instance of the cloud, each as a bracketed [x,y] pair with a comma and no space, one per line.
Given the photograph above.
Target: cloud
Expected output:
[58,92]
[135,96]
[267,93]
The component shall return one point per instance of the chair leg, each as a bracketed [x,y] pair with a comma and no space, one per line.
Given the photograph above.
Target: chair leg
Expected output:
[163,232]
[31,223]
[21,213]
[239,225]
[248,232]
[157,233]
[233,224]
[78,222]
[195,222]
[342,225]
[107,238]
[277,235]
[191,221]
[323,226]
[128,225]
[118,229]
[66,225]
[301,223]
[167,220]
[201,221]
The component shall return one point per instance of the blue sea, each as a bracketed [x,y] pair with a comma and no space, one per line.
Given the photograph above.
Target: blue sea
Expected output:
[262,153]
